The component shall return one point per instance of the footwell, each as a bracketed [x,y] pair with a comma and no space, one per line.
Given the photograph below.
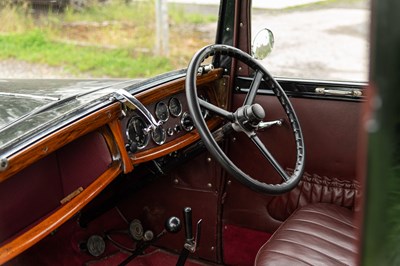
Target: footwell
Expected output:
[156,257]
[241,245]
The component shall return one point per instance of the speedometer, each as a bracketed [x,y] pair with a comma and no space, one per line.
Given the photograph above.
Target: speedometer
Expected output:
[136,133]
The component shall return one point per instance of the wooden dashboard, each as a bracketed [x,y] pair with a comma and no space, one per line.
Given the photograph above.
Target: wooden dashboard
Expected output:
[70,167]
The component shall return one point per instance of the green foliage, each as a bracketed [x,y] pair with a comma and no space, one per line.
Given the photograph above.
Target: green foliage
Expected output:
[14,3]
[15,18]
[36,47]
[179,16]
[115,38]
[141,12]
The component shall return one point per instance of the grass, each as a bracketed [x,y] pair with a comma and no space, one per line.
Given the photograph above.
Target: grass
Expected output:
[180,16]
[36,47]
[114,40]
[15,19]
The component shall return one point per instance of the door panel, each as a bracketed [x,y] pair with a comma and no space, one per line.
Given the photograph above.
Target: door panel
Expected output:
[330,129]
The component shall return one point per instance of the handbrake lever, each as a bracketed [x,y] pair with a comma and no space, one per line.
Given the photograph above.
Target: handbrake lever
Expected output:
[191,243]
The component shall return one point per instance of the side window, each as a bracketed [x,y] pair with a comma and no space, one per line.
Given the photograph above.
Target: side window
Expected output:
[326,40]
[101,38]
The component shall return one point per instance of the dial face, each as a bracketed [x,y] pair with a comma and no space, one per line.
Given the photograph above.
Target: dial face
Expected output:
[187,122]
[162,112]
[135,132]
[159,136]
[175,107]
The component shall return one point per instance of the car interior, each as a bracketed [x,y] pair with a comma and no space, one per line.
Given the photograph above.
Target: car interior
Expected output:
[218,164]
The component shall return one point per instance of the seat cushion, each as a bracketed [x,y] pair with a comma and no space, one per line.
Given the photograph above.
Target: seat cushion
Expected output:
[317,234]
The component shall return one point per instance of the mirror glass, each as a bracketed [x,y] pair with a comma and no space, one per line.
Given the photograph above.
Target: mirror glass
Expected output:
[262,44]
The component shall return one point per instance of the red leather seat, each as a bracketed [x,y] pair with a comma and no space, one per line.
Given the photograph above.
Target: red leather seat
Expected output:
[317,234]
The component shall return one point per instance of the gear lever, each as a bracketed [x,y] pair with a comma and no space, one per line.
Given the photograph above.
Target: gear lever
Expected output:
[191,243]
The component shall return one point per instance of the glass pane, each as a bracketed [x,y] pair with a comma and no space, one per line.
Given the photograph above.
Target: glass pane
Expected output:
[326,40]
[101,38]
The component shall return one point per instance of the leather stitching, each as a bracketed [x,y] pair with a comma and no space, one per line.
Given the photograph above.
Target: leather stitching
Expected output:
[320,238]
[284,254]
[333,218]
[325,226]
[326,255]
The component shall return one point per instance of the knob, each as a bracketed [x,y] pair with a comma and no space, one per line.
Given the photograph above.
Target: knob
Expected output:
[148,235]
[173,224]
[132,147]
[254,113]
[177,128]
[186,122]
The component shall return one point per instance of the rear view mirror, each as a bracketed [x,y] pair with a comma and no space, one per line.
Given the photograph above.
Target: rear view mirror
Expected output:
[262,44]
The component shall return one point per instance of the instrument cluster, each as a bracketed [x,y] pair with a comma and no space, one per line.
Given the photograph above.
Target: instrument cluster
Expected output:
[175,120]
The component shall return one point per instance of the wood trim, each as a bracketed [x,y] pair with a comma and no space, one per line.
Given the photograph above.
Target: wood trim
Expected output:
[54,141]
[55,220]
[172,146]
[173,87]
[115,126]
[110,140]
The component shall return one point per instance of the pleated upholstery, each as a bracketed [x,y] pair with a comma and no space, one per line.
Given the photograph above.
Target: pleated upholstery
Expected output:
[317,234]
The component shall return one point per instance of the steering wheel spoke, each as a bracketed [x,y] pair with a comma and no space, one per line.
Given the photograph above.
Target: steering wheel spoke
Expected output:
[216,110]
[255,84]
[256,140]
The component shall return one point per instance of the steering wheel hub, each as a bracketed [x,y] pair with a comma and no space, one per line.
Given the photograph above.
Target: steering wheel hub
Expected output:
[248,117]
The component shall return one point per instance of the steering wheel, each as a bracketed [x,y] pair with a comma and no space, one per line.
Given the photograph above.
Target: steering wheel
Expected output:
[246,119]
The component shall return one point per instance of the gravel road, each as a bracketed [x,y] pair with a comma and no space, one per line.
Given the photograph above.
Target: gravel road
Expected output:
[11,68]
[328,43]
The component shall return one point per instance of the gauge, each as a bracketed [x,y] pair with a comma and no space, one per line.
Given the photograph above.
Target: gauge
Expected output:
[186,122]
[136,133]
[159,135]
[162,111]
[175,107]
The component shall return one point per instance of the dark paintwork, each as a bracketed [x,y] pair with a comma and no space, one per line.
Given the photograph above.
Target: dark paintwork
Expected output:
[381,217]
[29,107]
[20,97]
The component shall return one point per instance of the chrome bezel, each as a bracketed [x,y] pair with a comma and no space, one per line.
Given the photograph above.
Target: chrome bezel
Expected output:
[157,108]
[147,137]
[184,115]
[169,107]
[164,136]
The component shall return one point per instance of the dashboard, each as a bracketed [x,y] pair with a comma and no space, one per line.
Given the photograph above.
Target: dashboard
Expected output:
[81,159]
[176,128]
[175,120]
